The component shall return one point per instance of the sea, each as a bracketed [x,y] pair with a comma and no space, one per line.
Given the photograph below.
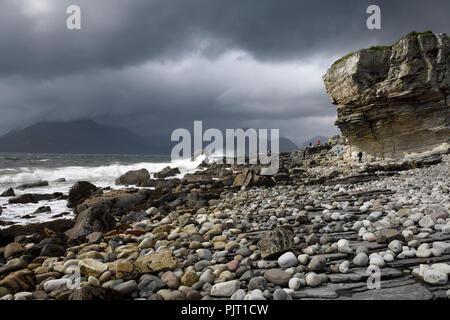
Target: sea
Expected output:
[101,170]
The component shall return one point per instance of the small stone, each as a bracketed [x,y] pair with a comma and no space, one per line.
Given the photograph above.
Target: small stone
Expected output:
[225,289]
[427,221]
[238,295]
[344,266]
[255,295]
[361,260]
[94,282]
[233,265]
[171,280]
[257,283]
[303,259]
[295,284]
[344,246]
[313,280]
[58,284]
[23,296]
[204,254]
[423,251]
[13,249]
[52,250]
[277,277]
[287,260]
[436,277]
[146,243]
[191,294]
[388,257]
[377,261]
[317,263]
[125,288]
[189,278]
[395,246]
[280,294]
[207,276]
[91,267]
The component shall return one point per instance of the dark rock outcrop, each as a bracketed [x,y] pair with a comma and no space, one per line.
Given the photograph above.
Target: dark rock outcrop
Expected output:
[8,193]
[33,185]
[95,213]
[35,197]
[79,192]
[135,177]
[167,172]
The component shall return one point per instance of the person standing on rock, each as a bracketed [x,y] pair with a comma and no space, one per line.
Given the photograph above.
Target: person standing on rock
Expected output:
[310,144]
[329,141]
[318,142]
[337,151]
[360,154]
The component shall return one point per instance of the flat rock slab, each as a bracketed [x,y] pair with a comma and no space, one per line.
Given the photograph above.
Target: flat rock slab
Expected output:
[344,277]
[326,291]
[385,272]
[417,261]
[409,292]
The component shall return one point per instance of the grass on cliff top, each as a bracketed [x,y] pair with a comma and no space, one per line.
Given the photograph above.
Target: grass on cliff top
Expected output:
[382,48]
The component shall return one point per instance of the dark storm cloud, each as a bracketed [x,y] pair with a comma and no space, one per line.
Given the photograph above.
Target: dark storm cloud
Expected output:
[154,66]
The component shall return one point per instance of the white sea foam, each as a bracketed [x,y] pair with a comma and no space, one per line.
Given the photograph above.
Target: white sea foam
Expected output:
[101,176]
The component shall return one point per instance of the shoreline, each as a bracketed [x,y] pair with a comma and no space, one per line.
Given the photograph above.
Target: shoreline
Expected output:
[228,233]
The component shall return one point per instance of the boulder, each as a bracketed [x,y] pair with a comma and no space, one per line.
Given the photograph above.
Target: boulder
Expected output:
[22,280]
[276,242]
[94,219]
[249,178]
[95,213]
[167,172]
[8,193]
[34,197]
[135,177]
[79,192]
[13,249]
[33,185]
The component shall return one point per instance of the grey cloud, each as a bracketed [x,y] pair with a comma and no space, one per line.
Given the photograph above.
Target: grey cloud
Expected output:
[154,66]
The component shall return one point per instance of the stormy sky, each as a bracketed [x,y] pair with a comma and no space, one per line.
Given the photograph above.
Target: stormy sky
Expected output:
[156,65]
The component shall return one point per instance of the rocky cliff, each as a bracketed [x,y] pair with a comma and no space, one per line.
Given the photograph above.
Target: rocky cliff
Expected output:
[393,101]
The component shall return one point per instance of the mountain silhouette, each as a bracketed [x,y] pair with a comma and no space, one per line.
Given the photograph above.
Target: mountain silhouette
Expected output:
[81,136]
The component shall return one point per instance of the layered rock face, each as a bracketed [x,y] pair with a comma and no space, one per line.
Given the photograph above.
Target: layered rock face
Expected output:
[394,101]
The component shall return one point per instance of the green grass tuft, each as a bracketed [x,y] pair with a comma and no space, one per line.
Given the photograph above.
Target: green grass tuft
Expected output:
[383,48]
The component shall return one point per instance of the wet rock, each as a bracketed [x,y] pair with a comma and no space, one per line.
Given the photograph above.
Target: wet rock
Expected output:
[22,280]
[79,192]
[8,193]
[167,172]
[52,250]
[33,185]
[135,177]
[13,249]
[317,263]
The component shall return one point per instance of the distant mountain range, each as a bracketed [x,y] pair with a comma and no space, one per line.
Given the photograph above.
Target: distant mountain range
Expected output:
[82,137]
[89,137]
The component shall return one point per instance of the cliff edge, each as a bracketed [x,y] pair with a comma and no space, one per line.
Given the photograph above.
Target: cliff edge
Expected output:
[394,101]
